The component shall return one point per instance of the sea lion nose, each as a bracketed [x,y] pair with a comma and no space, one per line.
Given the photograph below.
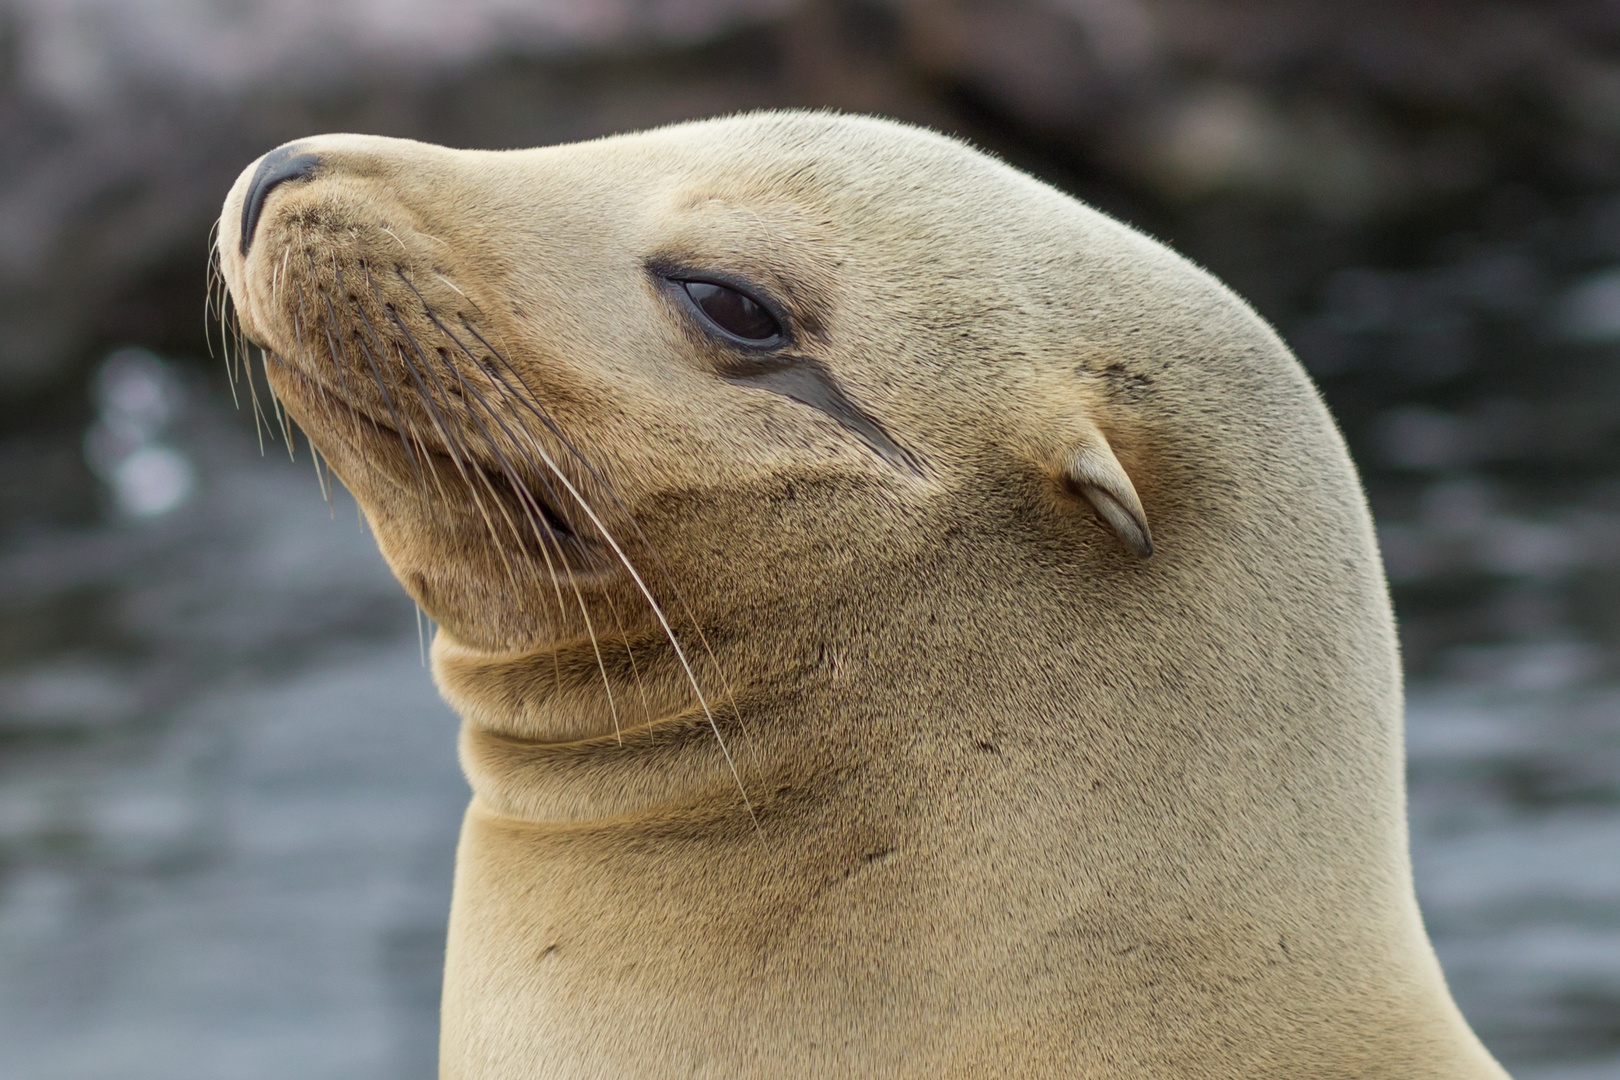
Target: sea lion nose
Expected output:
[277,167]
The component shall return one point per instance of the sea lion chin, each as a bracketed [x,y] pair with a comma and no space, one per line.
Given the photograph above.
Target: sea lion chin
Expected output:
[905,623]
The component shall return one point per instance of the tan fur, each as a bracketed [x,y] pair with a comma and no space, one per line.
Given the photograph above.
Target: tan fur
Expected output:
[1020,802]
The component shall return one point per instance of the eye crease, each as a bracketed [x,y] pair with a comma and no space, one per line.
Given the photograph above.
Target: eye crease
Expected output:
[732,312]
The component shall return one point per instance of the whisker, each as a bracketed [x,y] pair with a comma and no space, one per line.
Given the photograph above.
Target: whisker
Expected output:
[453,447]
[339,356]
[376,374]
[658,612]
[214,278]
[227,317]
[459,417]
[521,487]
[315,456]
[542,533]
[526,498]
[531,402]
[447,281]
[421,638]
[253,400]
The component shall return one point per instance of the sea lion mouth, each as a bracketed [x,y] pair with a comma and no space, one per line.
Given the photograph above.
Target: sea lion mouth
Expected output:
[523,488]
[436,466]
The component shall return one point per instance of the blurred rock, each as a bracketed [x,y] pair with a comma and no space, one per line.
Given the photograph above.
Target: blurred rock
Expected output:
[123,121]
[1415,437]
[1590,310]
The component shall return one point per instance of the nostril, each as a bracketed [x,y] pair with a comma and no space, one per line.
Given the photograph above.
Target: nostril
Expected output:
[277,167]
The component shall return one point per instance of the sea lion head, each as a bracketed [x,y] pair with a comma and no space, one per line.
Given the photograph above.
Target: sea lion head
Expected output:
[822,481]
[716,380]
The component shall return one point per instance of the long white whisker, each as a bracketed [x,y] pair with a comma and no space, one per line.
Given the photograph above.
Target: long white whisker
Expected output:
[530,401]
[658,612]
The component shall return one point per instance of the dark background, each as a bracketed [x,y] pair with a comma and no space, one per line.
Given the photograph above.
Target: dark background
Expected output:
[227,794]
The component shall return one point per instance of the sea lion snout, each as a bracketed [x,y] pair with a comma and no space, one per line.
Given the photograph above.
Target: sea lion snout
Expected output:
[383,343]
[501,355]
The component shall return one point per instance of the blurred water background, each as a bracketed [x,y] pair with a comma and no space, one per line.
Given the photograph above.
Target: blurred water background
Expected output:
[228,795]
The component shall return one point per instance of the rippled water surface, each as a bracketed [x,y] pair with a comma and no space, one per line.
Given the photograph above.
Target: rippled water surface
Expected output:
[229,798]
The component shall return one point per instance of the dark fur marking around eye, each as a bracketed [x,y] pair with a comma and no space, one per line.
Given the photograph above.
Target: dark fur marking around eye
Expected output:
[802,379]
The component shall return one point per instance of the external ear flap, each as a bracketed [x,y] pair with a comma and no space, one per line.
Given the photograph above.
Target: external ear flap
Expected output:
[1094,472]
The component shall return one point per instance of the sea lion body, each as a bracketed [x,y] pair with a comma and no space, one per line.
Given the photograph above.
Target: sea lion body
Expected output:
[920,766]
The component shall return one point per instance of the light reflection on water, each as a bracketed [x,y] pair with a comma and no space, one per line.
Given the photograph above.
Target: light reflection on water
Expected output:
[228,792]
[137,397]
[229,799]
[1515,811]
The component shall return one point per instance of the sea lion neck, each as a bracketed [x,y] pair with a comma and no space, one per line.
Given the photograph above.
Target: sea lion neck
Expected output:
[584,730]
[720,729]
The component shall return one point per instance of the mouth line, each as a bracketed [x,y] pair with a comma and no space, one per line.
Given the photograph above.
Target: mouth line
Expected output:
[533,497]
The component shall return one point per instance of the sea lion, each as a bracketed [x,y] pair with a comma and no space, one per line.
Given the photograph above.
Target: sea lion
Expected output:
[906,623]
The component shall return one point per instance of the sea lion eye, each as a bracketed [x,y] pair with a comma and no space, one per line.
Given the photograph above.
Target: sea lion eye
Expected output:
[733,312]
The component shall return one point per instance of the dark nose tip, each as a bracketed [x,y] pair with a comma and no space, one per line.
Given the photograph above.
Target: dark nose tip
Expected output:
[278,167]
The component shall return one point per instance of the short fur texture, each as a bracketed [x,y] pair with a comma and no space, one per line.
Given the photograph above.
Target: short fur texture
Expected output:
[961,784]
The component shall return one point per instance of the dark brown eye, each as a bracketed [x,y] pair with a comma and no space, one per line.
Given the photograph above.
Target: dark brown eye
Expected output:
[732,312]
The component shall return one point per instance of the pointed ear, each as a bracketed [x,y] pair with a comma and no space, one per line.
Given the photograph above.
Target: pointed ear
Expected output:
[1093,472]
